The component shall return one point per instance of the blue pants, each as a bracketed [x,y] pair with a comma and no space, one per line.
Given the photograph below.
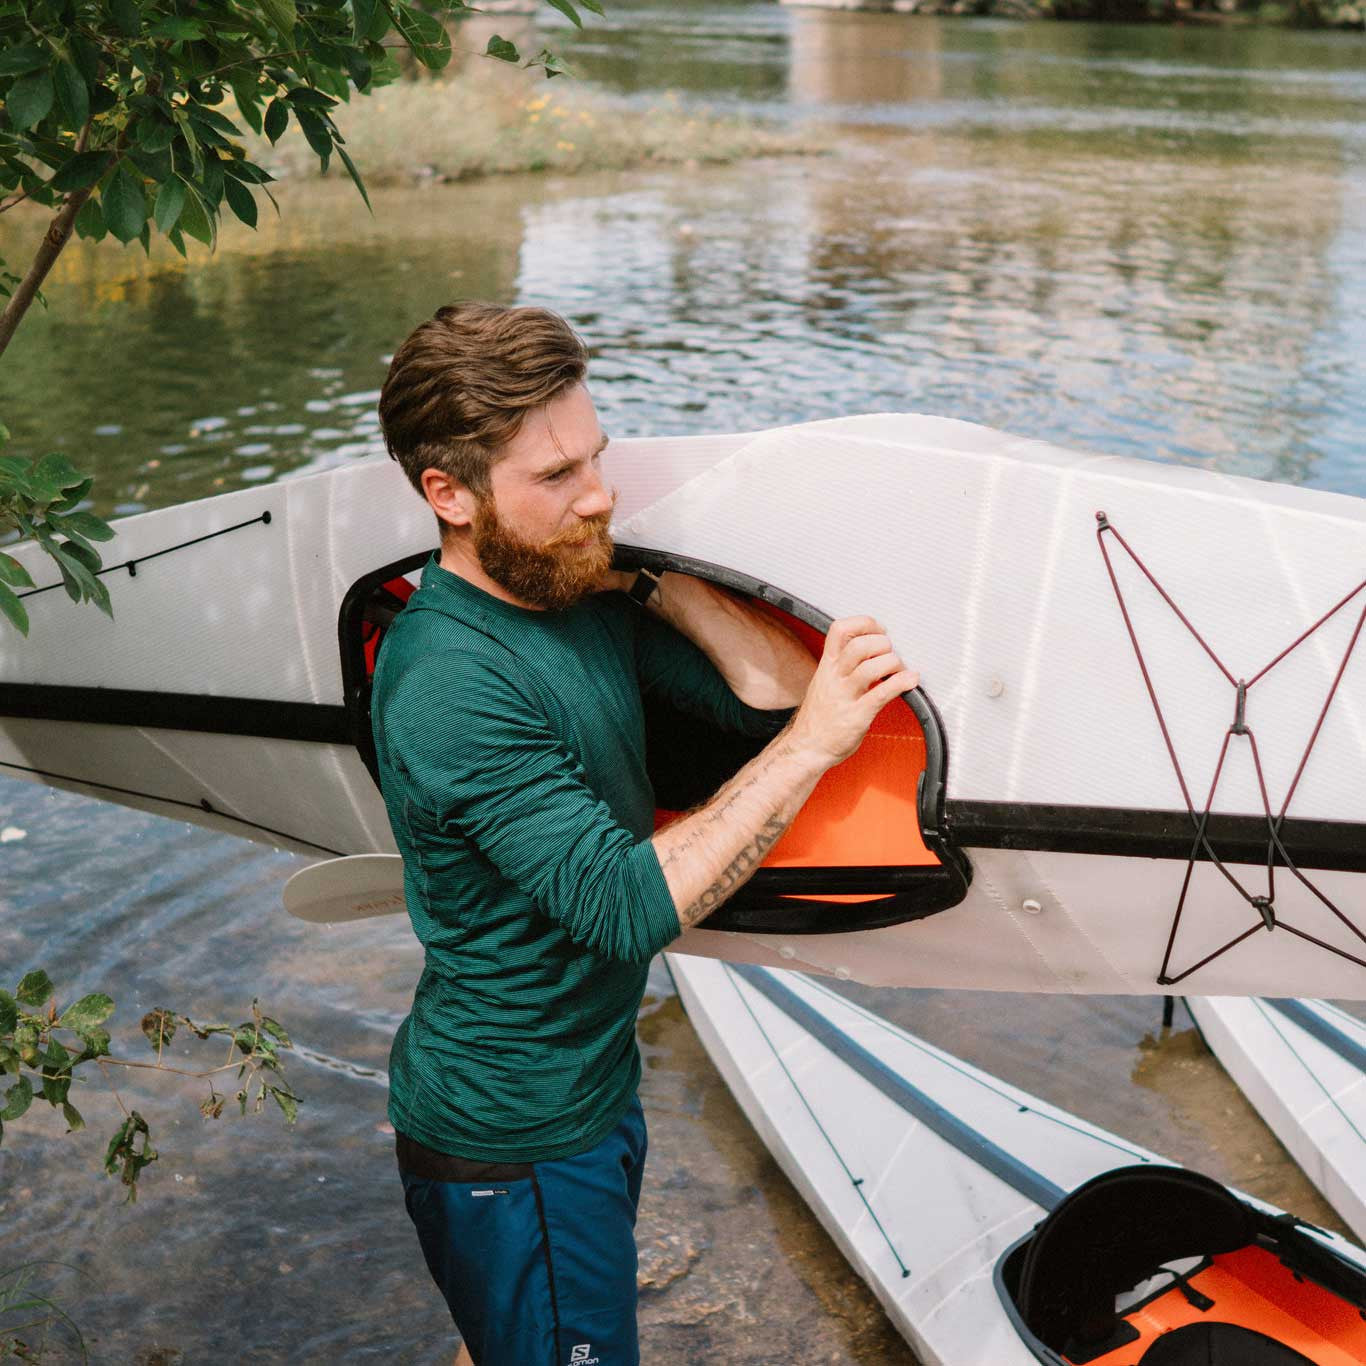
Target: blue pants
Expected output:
[538,1264]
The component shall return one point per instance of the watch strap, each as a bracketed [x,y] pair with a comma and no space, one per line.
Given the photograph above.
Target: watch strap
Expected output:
[645,584]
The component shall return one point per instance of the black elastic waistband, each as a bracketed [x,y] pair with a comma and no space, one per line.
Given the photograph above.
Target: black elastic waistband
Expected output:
[416,1159]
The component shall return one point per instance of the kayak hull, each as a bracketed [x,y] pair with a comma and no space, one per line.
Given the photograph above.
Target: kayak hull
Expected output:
[1300,1063]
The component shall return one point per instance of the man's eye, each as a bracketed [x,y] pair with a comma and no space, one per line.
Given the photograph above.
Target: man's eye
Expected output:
[556,477]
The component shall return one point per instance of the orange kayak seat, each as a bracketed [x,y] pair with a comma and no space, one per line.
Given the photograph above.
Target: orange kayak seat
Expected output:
[1152,1265]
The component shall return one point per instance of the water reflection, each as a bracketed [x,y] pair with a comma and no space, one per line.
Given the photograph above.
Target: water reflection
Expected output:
[847,58]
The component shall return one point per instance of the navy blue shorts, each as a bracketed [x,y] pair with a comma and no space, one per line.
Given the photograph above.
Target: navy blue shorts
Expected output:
[537,1261]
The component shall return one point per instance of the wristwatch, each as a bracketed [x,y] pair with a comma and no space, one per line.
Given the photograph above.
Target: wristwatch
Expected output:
[645,584]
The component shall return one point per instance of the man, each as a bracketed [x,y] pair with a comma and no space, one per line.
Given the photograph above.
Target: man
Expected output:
[509,732]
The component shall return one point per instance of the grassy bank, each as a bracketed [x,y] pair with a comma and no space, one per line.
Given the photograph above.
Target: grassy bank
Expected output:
[491,120]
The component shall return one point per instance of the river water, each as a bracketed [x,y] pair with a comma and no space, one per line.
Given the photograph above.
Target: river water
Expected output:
[1147,241]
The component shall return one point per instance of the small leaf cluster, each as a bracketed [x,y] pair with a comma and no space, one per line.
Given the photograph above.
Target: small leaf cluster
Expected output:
[41,499]
[258,1041]
[38,1064]
[31,1052]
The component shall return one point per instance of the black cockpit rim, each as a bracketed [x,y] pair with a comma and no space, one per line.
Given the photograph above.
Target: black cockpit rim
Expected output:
[774,900]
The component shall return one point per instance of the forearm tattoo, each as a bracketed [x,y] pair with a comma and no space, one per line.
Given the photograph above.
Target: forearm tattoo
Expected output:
[736,873]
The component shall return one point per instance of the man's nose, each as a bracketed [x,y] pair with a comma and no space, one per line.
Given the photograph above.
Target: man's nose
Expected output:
[596,499]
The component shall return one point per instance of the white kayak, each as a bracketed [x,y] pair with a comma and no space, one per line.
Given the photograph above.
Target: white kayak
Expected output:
[998,1230]
[1302,1064]
[1115,734]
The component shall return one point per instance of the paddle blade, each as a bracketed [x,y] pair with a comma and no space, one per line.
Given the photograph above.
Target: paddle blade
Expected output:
[353,888]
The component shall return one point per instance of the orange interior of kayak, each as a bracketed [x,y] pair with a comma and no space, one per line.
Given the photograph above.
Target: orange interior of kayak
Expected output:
[862,812]
[1251,1287]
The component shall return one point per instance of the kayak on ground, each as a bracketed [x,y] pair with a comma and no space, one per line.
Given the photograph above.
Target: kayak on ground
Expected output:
[996,1228]
[1302,1064]
[1133,761]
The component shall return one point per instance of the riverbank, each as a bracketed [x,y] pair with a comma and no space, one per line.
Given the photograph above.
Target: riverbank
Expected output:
[489,119]
[1297,14]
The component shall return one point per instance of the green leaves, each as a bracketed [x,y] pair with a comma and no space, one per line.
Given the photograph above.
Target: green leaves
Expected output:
[35,990]
[170,200]
[276,120]
[125,204]
[88,1012]
[39,1065]
[80,171]
[283,14]
[363,17]
[240,201]
[425,35]
[176,28]
[17,1099]
[23,58]
[129,1151]
[72,93]
[13,610]
[41,498]
[567,10]
[30,99]
[502,49]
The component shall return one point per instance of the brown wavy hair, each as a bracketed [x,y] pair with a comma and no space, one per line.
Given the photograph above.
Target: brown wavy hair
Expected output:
[461,385]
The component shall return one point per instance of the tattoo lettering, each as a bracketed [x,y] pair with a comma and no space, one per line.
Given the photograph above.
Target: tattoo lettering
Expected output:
[736,873]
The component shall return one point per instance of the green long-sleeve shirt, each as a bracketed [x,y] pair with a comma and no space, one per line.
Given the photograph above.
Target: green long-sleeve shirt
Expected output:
[511,748]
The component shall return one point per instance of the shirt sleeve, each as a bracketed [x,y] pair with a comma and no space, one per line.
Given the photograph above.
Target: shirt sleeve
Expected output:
[481,758]
[669,665]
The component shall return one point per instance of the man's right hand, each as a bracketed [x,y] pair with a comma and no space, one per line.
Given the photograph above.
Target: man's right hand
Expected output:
[859,673]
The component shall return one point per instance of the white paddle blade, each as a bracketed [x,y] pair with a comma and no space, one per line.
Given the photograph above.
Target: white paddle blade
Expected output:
[353,888]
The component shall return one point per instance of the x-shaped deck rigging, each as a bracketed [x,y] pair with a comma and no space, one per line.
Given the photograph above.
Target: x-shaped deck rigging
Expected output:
[1264,904]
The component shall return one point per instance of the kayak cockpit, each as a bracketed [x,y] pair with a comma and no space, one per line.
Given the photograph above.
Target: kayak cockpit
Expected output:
[1159,1266]
[867,849]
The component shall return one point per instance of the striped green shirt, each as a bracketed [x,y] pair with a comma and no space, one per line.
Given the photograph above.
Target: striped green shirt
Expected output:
[511,748]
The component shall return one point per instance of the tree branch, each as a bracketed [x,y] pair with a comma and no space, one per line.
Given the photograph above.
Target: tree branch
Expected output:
[55,238]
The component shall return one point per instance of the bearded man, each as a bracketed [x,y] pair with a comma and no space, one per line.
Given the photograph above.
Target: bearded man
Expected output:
[510,738]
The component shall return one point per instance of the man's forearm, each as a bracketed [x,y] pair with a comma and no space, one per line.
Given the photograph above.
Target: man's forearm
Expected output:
[763,663]
[712,851]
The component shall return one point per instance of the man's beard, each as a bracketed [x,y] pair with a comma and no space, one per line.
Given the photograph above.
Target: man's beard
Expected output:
[552,574]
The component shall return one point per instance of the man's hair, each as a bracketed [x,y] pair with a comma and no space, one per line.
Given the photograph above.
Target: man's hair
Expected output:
[462,384]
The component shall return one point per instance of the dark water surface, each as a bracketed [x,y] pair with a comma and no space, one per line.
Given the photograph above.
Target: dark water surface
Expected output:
[1150,241]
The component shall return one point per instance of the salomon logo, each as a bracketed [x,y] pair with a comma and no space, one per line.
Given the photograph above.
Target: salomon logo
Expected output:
[578,1355]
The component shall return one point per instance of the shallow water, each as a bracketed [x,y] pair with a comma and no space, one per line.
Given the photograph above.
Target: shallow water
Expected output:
[1147,241]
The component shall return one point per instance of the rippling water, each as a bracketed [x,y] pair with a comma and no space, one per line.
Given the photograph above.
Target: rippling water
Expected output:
[1150,241]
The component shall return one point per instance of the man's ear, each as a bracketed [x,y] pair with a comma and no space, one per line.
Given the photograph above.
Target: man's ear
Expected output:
[452,501]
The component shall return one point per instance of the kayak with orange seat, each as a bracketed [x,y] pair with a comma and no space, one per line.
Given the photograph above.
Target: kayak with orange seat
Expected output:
[999,1230]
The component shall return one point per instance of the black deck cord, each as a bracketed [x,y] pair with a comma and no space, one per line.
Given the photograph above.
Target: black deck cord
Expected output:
[132,565]
[203,804]
[1264,905]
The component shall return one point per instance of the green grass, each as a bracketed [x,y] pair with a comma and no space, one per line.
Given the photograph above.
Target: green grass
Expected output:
[489,120]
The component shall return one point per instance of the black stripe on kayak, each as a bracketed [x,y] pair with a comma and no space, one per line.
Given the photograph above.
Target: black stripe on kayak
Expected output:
[962,1136]
[1126,831]
[1317,1027]
[253,716]
[203,804]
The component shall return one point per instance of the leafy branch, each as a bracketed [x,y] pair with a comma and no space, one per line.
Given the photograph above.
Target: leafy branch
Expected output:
[41,1048]
[42,499]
